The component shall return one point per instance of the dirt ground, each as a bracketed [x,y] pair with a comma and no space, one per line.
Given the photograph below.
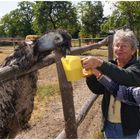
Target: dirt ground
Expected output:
[51,122]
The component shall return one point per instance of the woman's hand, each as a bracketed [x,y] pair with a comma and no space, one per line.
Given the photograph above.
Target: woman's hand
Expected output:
[91,62]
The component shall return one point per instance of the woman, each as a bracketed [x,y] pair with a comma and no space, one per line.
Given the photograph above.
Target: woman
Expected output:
[120,120]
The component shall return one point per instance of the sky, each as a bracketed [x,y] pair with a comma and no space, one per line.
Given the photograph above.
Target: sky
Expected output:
[8,5]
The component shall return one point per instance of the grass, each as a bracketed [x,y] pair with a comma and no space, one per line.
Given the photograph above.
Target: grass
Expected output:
[48,90]
[44,94]
[103,52]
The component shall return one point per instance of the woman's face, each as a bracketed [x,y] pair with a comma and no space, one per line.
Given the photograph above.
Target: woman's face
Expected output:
[123,50]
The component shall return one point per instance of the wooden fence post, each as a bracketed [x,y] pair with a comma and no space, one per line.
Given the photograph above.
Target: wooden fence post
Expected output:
[67,99]
[79,42]
[110,47]
[14,45]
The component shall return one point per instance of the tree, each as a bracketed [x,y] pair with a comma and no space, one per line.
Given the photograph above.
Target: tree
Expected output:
[91,16]
[27,16]
[126,13]
[19,21]
[2,33]
[52,15]
[131,10]
[116,20]
[10,23]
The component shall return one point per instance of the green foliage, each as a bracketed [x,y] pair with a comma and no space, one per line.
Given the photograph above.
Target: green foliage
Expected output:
[27,16]
[2,32]
[131,11]
[115,21]
[48,90]
[53,15]
[91,16]
[19,21]
[7,24]
[83,34]
[125,13]
[83,20]
[39,17]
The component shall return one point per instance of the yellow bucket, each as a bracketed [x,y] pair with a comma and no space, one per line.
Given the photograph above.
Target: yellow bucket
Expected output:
[73,67]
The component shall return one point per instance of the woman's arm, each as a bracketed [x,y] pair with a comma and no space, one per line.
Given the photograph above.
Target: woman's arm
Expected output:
[128,95]
[129,76]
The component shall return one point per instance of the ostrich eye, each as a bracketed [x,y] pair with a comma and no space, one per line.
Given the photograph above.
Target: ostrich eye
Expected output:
[57,38]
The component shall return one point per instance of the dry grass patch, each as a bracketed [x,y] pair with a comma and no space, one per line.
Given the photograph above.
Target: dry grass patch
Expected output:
[5,51]
[103,52]
[45,94]
[48,90]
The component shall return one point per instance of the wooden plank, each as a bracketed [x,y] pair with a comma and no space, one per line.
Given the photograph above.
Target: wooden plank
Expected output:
[10,39]
[11,72]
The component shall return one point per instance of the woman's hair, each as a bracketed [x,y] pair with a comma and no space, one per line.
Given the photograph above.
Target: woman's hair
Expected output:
[127,35]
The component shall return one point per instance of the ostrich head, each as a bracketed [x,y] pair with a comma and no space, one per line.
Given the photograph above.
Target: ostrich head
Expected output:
[58,39]
[35,48]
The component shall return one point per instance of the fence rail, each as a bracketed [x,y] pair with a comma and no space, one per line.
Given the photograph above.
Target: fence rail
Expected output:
[8,73]
[85,41]
[11,39]
[75,42]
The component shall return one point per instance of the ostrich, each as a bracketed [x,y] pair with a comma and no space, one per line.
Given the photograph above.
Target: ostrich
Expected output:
[17,95]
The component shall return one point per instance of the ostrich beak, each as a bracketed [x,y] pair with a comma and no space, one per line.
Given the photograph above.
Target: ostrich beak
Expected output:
[49,41]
